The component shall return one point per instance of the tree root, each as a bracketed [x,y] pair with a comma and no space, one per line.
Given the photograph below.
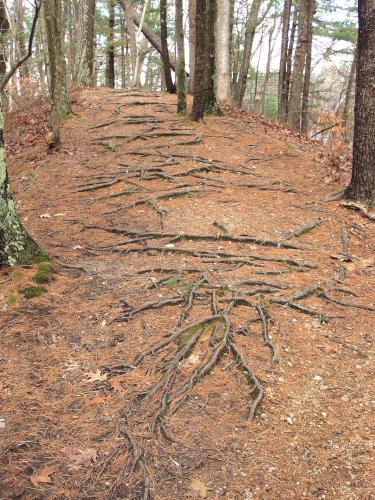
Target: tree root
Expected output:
[303,230]
[360,207]
[197,237]
[164,196]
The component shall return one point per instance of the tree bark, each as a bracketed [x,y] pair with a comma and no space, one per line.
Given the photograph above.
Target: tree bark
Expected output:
[89,43]
[57,74]
[362,185]
[307,76]
[211,106]
[349,92]
[16,246]
[171,88]
[282,87]
[192,38]
[251,25]
[222,47]
[295,99]
[110,59]
[181,76]
[199,74]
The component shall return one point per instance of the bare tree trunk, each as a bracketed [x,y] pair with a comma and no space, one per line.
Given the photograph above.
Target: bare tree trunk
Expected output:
[20,38]
[181,75]
[362,185]
[123,49]
[307,76]
[251,25]
[349,92]
[129,20]
[268,65]
[192,37]
[283,88]
[211,106]
[171,88]
[199,74]
[295,100]
[110,60]
[222,47]
[59,102]
[89,43]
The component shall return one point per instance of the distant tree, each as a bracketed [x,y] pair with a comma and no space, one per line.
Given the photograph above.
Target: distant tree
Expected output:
[362,185]
[110,55]
[171,88]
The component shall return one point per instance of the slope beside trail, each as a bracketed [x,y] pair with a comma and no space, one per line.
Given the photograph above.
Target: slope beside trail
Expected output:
[208,331]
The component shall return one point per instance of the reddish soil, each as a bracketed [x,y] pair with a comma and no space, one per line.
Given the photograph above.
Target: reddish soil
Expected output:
[81,417]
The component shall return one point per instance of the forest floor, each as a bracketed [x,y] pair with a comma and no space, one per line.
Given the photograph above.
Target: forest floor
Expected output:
[201,277]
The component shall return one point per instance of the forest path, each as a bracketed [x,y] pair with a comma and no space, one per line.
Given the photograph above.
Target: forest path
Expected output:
[201,278]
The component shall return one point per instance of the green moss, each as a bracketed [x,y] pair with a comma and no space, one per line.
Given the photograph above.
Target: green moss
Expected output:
[33,291]
[12,299]
[44,273]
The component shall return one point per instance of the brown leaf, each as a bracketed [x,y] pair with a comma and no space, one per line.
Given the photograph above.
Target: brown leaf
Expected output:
[80,458]
[199,487]
[43,476]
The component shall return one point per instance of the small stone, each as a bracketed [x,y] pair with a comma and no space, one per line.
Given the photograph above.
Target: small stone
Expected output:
[289,420]
[345,397]
[318,377]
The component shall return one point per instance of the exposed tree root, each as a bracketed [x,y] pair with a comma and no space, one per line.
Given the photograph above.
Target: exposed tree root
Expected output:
[361,208]
[197,237]
[304,229]
[95,187]
[165,196]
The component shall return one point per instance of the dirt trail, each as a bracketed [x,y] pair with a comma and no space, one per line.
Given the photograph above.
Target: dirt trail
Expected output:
[201,279]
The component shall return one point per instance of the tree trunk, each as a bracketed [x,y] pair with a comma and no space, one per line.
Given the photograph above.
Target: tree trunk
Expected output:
[89,43]
[192,37]
[151,36]
[222,47]
[289,60]
[251,25]
[58,94]
[199,74]
[129,20]
[16,246]
[110,59]
[20,40]
[171,88]
[349,92]
[268,65]
[362,185]
[307,76]
[295,99]
[211,106]
[282,88]
[181,75]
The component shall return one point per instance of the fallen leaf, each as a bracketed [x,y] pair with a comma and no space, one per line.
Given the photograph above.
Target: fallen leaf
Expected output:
[43,476]
[199,487]
[45,216]
[80,458]
[96,376]
[97,400]
[2,423]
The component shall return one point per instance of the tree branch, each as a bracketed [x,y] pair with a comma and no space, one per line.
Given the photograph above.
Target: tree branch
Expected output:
[29,53]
